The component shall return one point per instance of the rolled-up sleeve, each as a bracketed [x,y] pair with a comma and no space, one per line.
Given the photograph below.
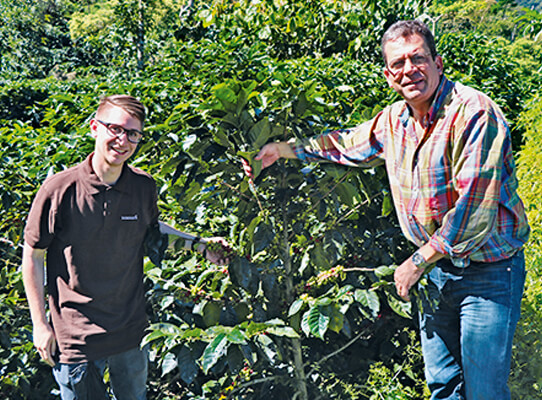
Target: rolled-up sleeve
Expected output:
[360,146]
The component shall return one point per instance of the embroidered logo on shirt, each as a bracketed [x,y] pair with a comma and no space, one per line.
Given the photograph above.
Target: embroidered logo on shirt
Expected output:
[128,217]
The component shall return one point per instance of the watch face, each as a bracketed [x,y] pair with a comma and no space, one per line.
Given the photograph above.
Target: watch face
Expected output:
[418,259]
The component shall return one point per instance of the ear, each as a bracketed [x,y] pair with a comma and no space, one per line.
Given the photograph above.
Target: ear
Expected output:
[440,64]
[93,127]
[389,76]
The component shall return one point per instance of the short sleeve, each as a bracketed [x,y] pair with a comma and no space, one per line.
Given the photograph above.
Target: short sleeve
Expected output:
[42,219]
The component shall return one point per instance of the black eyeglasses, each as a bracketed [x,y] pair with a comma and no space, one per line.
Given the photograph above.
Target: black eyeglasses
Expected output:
[133,135]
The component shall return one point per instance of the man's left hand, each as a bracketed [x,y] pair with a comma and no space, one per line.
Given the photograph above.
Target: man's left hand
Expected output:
[406,276]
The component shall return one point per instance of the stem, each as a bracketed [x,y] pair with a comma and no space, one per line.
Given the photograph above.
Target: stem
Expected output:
[359,269]
[252,383]
[301,380]
[330,355]
[255,193]
[235,190]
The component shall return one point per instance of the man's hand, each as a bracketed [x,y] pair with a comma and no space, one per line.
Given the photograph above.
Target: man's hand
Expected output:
[216,250]
[271,152]
[45,342]
[406,276]
[33,279]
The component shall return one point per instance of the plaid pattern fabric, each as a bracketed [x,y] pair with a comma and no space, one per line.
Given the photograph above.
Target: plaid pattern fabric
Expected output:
[452,176]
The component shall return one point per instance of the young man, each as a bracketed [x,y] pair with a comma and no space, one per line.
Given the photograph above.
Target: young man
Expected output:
[90,221]
[449,160]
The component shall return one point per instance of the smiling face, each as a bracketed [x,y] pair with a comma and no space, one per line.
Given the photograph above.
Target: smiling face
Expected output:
[412,72]
[111,151]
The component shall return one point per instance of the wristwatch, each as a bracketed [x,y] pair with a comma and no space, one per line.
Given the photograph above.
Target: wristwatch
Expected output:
[419,260]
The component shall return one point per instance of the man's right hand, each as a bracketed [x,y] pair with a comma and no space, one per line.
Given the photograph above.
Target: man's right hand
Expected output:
[45,343]
[271,152]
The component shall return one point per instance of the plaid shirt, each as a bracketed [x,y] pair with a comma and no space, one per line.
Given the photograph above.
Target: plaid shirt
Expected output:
[456,187]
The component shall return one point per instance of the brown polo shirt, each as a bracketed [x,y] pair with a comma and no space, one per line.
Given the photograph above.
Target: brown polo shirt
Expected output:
[93,233]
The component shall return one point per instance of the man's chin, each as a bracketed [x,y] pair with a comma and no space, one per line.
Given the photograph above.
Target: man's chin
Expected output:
[413,95]
[118,159]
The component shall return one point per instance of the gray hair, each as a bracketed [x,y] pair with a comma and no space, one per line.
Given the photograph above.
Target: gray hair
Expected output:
[404,29]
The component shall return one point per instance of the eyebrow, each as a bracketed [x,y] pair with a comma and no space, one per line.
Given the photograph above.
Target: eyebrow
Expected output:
[419,53]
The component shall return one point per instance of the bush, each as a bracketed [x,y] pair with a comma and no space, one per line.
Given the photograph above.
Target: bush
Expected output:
[526,378]
[307,307]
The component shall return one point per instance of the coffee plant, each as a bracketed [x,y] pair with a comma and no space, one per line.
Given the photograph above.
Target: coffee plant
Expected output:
[306,308]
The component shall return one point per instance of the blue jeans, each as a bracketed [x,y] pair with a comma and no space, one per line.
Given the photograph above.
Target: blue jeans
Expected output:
[467,322]
[84,381]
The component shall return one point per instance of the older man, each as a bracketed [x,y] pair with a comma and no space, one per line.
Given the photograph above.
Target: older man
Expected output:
[448,155]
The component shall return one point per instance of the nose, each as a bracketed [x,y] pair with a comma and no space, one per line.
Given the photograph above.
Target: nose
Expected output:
[409,66]
[122,139]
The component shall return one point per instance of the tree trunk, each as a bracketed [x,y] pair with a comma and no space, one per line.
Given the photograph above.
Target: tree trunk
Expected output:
[301,382]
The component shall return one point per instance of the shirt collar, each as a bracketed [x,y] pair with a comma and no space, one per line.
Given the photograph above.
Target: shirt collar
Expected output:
[444,88]
[95,184]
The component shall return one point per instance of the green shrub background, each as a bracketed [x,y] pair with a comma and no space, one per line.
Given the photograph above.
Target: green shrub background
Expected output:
[232,76]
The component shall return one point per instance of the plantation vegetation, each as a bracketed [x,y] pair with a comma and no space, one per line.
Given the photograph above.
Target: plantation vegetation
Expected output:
[307,308]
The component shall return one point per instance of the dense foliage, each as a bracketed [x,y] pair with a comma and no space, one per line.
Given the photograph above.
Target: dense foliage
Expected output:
[306,309]
[527,363]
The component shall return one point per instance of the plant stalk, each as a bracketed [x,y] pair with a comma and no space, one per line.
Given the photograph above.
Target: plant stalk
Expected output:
[301,379]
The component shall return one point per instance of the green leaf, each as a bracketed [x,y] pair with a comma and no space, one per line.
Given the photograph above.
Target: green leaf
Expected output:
[368,299]
[263,237]
[269,348]
[204,276]
[301,105]
[244,274]
[260,133]
[207,18]
[169,363]
[221,138]
[387,205]
[347,193]
[255,164]
[295,307]
[319,257]
[160,331]
[226,96]
[211,313]
[315,322]
[235,359]
[343,291]
[192,333]
[252,227]
[323,301]
[336,318]
[283,331]
[237,336]
[385,271]
[214,351]
[188,368]
[264,33]
[402,308]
